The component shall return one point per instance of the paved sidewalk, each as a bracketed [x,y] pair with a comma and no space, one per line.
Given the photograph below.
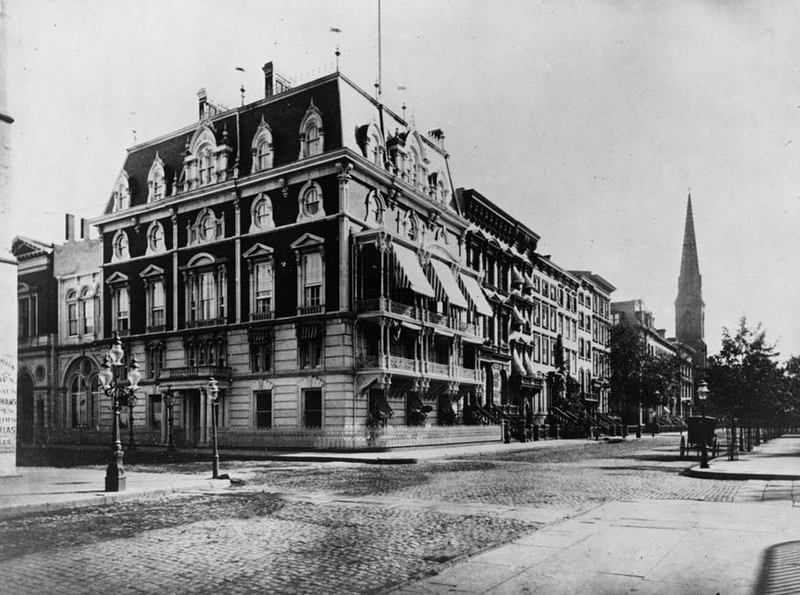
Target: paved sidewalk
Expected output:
[39,489]
[778,459]
[673,546]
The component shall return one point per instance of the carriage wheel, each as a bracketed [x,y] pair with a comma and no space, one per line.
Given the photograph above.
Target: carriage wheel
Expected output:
[683,447]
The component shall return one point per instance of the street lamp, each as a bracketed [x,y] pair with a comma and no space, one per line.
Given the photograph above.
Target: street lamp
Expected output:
[169,403]
[213,392]
[120,393]
[702,395]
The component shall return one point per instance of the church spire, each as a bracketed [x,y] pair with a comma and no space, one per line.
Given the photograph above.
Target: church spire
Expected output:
[690,268]
[689,306]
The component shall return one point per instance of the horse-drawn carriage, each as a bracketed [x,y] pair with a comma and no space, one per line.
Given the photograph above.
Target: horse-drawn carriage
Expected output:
[701,429]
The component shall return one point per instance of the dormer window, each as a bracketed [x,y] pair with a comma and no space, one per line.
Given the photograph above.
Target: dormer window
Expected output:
[121,196]
[262,148]
[261,214]
[312,136]
[310,198]
[155,238]
[206,166]
[120,246]
[156,186]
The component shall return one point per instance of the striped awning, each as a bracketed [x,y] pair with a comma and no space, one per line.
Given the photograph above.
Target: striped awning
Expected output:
[259,335]
[516,276]
[517,367]
[309,331]
[412,275]
[448,283]
[529,364]
[476,294]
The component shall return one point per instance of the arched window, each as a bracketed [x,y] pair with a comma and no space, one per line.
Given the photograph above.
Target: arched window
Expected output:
[374,207]
[310,199]
[261,214]
[121,195]
[72,313]
[28,301]
[87,311]
[120,246]
[155,238]
[312,136]
[156,186]
[84,394]
[207,227]
[206,165]
[261,148]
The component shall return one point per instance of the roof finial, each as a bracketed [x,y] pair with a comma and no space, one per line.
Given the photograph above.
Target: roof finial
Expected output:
[337,52]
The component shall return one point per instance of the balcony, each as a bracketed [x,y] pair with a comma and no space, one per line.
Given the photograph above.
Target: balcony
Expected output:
[205,322]
[262,316]
[195,373]
[315,309]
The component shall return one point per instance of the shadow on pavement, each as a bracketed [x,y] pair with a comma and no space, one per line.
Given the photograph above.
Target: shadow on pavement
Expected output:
[780,572]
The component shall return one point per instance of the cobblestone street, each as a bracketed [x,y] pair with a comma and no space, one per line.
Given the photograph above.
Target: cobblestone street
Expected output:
[338,528]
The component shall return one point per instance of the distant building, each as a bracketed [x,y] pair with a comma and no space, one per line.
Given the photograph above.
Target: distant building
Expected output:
[689,305]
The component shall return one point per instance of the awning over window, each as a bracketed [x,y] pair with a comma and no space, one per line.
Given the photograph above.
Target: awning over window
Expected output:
[448,282]
[516,276]
[309,331]
[259,335]
[476,295]
[413,275]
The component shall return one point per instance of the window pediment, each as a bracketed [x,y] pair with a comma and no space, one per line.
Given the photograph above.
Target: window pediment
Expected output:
[152,272]
[117,278]
[156,180]
[307,241]
[261,148]
[258,251]
[312,135]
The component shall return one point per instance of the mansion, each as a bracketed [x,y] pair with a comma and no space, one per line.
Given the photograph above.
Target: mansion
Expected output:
[310,252]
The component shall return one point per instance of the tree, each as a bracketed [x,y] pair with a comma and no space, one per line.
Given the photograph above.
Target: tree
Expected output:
[744,378]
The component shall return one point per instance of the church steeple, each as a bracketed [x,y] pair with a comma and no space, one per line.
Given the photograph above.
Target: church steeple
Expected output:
[689,306]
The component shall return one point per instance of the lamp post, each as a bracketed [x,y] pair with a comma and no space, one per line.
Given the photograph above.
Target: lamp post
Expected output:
[169,403]
[702,395]
[132,400]
[213,392]
[120,393]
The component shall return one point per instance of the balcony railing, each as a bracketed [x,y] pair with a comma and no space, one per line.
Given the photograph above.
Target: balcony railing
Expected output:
[206,322]
[316,309]
[439,369]
[262,315]
[191,372]
[402,363]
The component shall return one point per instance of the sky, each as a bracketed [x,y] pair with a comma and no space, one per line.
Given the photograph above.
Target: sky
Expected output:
[588,121]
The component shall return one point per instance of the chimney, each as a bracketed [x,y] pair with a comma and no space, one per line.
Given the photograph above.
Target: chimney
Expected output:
[268,72]
[85,229]
[202,101]
[70,227]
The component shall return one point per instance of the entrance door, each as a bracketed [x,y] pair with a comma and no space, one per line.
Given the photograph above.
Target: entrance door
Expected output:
[25,409]
[191,417]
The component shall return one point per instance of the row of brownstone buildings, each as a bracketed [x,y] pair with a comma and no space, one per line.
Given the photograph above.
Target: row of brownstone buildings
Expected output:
[311,253]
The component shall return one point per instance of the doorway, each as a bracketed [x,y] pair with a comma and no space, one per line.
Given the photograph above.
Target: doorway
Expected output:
[191,417]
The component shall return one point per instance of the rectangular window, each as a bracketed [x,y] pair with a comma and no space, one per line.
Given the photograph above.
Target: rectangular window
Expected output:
[157,304]
[312,408]
[263,279]
[537,313]
[537,347]
[24,317]
[545,351]
[553,318]
[263,408]
[312,279]
[261,357]
[545,316]
[208,296]
[310,352]
[155,412]
[122,303]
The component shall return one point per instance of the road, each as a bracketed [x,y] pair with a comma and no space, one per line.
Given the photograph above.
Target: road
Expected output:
[336,527]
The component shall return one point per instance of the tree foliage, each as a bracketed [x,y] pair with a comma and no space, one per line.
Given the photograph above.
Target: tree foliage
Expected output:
[638,376]
[746,381]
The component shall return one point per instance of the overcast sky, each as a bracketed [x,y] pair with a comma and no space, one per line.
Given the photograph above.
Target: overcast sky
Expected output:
[589,121]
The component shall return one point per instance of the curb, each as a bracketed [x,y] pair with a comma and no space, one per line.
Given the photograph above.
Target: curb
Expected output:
[101,499]
[342,459]
[710,474]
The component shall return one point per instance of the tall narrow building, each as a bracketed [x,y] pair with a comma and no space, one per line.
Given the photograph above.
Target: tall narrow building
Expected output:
[689,305]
